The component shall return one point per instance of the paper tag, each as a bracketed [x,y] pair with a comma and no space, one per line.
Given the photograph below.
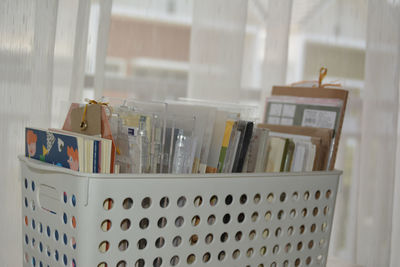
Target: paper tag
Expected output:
[92,118]
[319,118]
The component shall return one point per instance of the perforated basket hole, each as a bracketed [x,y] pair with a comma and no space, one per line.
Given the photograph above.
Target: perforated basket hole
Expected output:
[213,201]
[102,264]
[33,205]
[140,263]
[328,194]
[275,249]
[224,237]
[257,198]
[265,233]
[306,195]
[308,260]
[108,204]
[236,254]
[241,217]
[179,221]
[282,197]
[254,216]
[195,221]
[249,252]
[278,232]
[157,262]
[243,199]
[160,242]
[144,223]
[252,234]
[164,202]
[263,250]
[297,262]
[221,255]
[211,219]
[326,210]
[238,236]
[206,257]
[288,247]
[313,228]
[317,194]
[127,203]
[104,246]
[105,225]
[270,198]
[121,264]
[181,202]
[281,215]
[295,196]
[304,212]
[162,222]
[198,201]
[191,259]
[302,229]
[209,238]
[293,213]
[193,240]
[123,245]
[228,199]
[142,243]
[286,263]
[73,243]
[315,211]
[174,260]
[322,243]
[176,242]
[310,244]
[268,216]
[324,227]
[146,202]
[299,246]
[226,219]
[73,222]
[125,224]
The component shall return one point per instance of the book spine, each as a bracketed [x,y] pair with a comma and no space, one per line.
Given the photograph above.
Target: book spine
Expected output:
[225,144]
[246,143]
[95,156]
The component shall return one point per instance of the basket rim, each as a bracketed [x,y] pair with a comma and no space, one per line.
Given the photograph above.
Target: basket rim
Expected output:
[36,164]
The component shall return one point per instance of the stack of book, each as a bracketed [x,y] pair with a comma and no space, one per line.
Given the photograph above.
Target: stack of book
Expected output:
[301,132]
[71,150]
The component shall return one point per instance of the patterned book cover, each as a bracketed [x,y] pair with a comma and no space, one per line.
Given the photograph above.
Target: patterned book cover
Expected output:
[53,148]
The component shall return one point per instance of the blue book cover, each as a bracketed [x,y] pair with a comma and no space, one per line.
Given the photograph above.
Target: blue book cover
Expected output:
[54,148]
[96,145]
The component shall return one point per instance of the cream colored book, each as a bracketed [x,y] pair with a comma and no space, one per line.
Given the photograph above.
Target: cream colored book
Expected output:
[276,154]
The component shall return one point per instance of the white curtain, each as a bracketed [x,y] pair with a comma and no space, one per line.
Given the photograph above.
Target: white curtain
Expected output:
[378,212]
[43,46]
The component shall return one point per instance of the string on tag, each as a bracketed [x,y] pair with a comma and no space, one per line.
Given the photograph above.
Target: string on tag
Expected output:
[322,74]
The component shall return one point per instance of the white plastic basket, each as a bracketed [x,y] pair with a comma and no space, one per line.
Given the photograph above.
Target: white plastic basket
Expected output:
[271,219]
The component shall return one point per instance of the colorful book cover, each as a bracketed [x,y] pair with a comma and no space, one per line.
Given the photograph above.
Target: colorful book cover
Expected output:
[57,149]
[225,144]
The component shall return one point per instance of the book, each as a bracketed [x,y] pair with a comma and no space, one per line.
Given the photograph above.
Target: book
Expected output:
[277,150]
[246,142]
[242,125]
[262,151]
[102,151]
[54,148]
[232,149]
[320,137]
[328,94]
[225,143]
[288,157]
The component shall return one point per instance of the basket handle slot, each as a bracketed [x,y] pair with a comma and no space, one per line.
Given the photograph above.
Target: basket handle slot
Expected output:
[49,199]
